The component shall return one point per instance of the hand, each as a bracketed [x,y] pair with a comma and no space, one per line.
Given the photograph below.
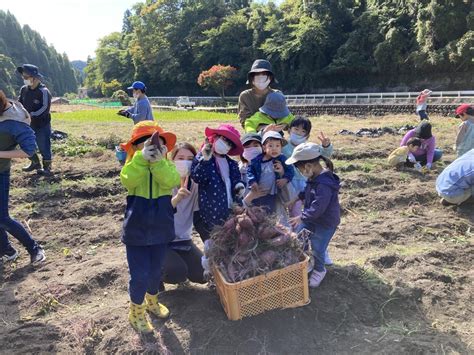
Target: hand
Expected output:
[274,127]
[182,193]
[239,190]
[325,141]
[152,154]
[295,221]
[207,150]
[123,113]
[418,166]
[428,166]
[278,167]
[281,183]
[255,187]
[411,158]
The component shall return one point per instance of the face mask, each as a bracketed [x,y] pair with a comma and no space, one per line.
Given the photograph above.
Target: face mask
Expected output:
[296,139]
[305,173]
[251,153]
[28,82]
[261,82]
[135,95]
[183,167]
[221,147]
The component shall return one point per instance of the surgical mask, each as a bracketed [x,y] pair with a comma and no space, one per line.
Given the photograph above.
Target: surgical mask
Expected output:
[251,153]
[28,82]
[221,147]
[183,167]
[297,139]
[136,95]
[305,173]
[261,82]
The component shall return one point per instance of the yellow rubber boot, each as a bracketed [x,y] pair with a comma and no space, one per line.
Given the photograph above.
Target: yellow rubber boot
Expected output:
[138,318]
[153,306]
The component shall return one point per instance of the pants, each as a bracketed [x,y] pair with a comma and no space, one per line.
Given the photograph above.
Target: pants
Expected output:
[457,200]
[201,227]
[423,115]
[144,264]
[319,243]
[438,153]
[43,140]
[9,225]
[181,265]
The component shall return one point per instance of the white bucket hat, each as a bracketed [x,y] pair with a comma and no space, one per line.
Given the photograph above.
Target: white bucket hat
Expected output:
[303,152]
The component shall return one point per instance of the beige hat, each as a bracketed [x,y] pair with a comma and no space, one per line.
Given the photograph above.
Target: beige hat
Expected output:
[303,152]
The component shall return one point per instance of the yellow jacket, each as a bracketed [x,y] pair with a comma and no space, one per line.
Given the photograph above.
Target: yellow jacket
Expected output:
[398,156]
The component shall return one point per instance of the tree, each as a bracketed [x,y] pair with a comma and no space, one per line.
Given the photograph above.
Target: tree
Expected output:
[218,78]
[109,88]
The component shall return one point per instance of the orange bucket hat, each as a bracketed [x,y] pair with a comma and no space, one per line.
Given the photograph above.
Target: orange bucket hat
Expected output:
[147,128]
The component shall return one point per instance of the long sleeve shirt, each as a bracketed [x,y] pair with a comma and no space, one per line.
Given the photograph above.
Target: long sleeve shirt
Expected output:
[37,102]
[427,146]
[141,110]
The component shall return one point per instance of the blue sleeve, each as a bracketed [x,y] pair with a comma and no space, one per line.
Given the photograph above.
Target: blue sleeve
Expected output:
[289,169]
[141,110]
[318,205]
[252,173]
[25,137]
[201,170]
[234,173]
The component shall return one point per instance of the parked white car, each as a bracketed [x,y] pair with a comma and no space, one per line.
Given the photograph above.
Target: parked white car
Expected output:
[184,101]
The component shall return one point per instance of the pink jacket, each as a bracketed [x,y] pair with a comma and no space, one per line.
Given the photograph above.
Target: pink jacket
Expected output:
[427,146]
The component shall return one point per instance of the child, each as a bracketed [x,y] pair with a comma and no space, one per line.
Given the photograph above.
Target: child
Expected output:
[273,115]
[252,143]
[421,104]
[148,224]
[13,132]
[321,213]
[405,153]
[426,154]
[465,135]
[268,171]
[218,177]
[183,259]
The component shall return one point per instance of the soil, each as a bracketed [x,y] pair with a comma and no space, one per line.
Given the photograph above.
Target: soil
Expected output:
[401,282]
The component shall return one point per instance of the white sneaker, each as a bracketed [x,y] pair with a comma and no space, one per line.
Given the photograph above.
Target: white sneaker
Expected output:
[13,257]
[316,278]
[327,258]
[38,256]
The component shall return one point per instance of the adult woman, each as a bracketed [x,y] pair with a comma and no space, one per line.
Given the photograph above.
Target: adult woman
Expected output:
[426,154]
[14,131]
[183,259]
[259,77]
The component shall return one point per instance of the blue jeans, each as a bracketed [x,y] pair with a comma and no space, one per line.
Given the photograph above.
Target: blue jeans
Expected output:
[423,115]
[9,225]
[144,264]
[438,153]
[319,243]
[43,140]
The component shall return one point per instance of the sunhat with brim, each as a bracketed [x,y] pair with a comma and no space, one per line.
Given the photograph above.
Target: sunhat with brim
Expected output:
[261,66]
[426,92]
[147,128]
[228,131]
[462,109]
[275,105]
[274,135]
[31,70]
[137,85]
[304,152]
[249,137]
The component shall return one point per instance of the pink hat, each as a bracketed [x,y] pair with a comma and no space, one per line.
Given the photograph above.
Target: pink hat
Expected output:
[228,131]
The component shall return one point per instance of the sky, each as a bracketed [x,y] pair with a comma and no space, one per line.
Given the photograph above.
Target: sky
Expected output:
[71,26]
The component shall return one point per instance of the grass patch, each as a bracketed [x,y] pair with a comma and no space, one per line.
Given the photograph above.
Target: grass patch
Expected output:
[407,250]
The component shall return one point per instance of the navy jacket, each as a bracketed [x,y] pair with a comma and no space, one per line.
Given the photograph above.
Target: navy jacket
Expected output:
[321,201]
[213,205]
[38,103]
[254,170]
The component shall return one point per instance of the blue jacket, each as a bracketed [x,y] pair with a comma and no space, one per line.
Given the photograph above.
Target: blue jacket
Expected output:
[457,177]
[321,201]
[141,110]
[213,204]
[149,216]
[38,103]
[254,170]
[13,133]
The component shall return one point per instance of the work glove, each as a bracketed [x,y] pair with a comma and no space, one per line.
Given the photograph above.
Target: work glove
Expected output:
[239,190]
[206,267]
[418,167]
[411,158]
[207,150]
[124,113]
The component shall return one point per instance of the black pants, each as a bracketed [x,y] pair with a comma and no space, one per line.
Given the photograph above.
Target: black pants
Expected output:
[201,227]
[181,265]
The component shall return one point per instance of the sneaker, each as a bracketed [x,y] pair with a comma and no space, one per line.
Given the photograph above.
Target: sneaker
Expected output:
[38,256]
[316,278]
[445,203]
[310,266]
[327,258]
[10,257]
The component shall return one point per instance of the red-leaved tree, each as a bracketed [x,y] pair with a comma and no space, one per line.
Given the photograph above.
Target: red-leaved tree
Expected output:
[218,77]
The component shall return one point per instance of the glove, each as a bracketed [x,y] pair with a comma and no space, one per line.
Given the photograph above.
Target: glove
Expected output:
[418,167]
[206,267]
[239,190]
[124,113]
[152,154]
[428,166]
[411,158]
[207,151]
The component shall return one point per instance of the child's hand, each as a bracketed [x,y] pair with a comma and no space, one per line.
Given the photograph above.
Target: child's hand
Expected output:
[152,154]
[207,150]
[278,167]
[281,183]
[325,141]
[295,221]
[183,193]
[239,190]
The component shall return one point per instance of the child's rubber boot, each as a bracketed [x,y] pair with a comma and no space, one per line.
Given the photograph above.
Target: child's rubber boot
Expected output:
[153,306]
[138,318]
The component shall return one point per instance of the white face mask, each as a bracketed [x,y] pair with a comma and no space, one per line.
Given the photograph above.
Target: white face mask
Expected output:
[296,139]
[261,82]
[251,153]
[221,147]
[183,167]
[28,82]
[136,95]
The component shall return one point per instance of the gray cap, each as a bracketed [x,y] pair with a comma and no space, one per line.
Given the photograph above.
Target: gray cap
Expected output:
[303,152]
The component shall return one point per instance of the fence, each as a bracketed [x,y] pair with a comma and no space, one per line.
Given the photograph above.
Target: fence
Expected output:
[104,103]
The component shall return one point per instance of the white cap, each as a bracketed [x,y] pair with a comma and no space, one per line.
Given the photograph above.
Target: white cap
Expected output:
[304,151]
[274,135]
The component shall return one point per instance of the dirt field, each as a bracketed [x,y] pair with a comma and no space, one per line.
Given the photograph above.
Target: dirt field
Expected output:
[401,283]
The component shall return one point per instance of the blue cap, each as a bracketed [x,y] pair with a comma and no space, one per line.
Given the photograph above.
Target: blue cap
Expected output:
[31,70]
[275,105]
[137,85]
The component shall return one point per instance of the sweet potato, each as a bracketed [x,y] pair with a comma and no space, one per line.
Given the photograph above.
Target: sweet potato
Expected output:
[155,140]
[245,224]
[243,239]
[268,257]
[267,232]
[282,239]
